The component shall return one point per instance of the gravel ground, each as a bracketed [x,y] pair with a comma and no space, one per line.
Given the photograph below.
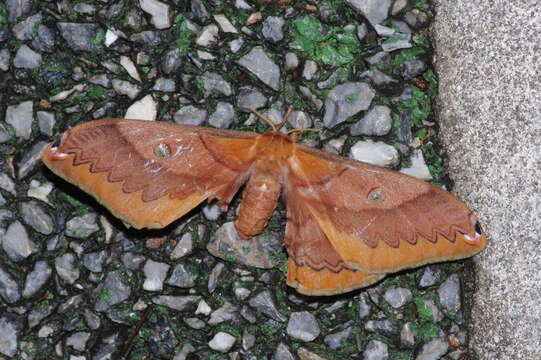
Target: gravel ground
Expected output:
[75,284]
[490,106]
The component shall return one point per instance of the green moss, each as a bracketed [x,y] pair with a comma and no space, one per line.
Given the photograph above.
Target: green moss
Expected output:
[3,16]
[336,46]
[96,92]
[432,83]
[105,294]
[185,35]
[400,355]
[419,105]
[408,54]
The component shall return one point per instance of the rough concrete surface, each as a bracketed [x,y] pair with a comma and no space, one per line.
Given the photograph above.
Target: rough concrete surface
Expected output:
[489,61]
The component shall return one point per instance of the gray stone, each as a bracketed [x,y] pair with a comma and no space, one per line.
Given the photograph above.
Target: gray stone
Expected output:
[208,37]
[5,56]
[23,30]
[236,45]
[376,350]
[212,211]
[364,307]
[214,83]
[418,166]
[377,77]
[302,326]
[413,68]
[35,216]
[398,41]
[282,353]
[172,61]
[262,66]
[226,243]
[292,61]
[78,340]
[94,261]
[46,121]
[398,297]
[81,37]
[92,320]
[82,226]
[160,13]
[183,247]
[433,350]
[335,340]
[16,242]
[376,122]
[226,312]
[223,116]
[265,303]
[7,184]
[437,315]
[362,30]
[9,289]
[10,330]
[181,277]
[272,29]
[17,9]
[71,304]
[178,303]
[214,277]
[449,293]
[407,335]
[429,277]
[250,98]
[165,85]
[37,278]
[37,314]
[66,268]
[346,100]
[310,69]
[375,153]
[155,274]
[20,117]
[383,327]
[199,11]
[299,120]
[112,291]
[195,323]
[222,342]
[398,6]
[123,87]
[100,79]
[31,159]
[225,24]
[375,11]
[416,18]
[45,40]
[190,115]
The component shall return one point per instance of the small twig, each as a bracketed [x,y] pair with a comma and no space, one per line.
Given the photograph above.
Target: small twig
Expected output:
[123,351]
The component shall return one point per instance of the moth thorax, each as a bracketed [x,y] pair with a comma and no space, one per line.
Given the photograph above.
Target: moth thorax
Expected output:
[259,200]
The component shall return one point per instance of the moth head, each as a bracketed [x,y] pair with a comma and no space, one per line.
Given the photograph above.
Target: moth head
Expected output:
[476,235]
[53,151]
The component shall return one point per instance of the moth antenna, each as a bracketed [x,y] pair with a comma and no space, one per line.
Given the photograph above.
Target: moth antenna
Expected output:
[269,121]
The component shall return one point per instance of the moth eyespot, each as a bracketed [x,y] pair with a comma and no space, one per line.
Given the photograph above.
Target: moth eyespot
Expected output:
[56,142]
[478,228]
[376,196]
[162,151]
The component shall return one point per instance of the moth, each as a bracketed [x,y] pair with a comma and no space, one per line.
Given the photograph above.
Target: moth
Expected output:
[348,223]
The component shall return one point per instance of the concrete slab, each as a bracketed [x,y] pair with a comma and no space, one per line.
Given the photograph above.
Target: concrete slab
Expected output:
[488,57]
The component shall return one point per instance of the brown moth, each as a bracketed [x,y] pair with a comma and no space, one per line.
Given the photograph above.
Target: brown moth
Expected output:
[348,223]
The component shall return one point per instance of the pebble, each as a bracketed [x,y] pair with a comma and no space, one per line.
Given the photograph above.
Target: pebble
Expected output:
[214,83]
[398,297]
[46,121]
[16,242]
[282,352]
[265,303]
[226,312]
[36,278]
[160,13]
[9,289]
[346,100]
[172,61]
[112,291]
[407,335]
[208,36]
[190,115]
[26,58]
[449,293]
[129,66]
[123,87]
[143,109]
[31,159]
[377,77]
[418,167]
[78,340]
[94,261]
[155,274]
[250,98]
[375,153]
[23,30]
[10,329]
[226,244]
[261,65]
[82,226]
[397,42]
[183,247]
[302,326]
[81,37]
[223,117]
[375,11]
[382,327]
[310,69]
[35,216]
[181,277]
[222,342]
[272,29]
[179,303]
[225,24]
[203,308]
[66,268]
[433,350]
[376,122]
[7,184]
[376,350]
[429,277]
[337,339]
[214,277]
[21,117]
